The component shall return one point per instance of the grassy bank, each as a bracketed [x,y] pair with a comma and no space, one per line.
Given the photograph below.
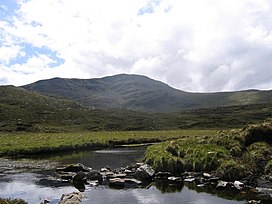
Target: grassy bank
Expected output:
[232,154]
[13,144]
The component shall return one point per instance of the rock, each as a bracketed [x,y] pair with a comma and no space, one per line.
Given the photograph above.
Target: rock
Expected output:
[132,183]
[206,175]
[105,169]
[189,179]
[71,198]
[214,179]
[119,175]
[79,186]
[238,185]
[172,178]
[144,172]
[74,168]
[80,177]
[267,191]
[200,185]
[127,171]
[45,201]
[117,183]
[94,176]
[67,176]
[222,185]
[107,174]
[163,175]
[253,202]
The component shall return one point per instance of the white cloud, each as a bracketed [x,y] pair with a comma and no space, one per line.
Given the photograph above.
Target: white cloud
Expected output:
[194,45]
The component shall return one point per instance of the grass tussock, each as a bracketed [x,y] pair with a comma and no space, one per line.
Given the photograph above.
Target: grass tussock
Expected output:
[231,154]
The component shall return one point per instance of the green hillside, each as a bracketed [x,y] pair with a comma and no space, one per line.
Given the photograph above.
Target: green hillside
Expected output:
[23,110]
[141,93]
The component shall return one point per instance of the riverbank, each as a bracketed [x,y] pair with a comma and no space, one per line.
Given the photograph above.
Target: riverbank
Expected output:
[18,144]
[231,155]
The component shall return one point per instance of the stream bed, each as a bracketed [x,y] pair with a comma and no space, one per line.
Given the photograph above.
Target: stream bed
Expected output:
[33,180]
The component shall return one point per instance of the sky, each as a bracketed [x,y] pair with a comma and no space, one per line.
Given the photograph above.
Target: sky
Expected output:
[196,45]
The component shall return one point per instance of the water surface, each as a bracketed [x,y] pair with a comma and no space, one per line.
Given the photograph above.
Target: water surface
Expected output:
[34,180]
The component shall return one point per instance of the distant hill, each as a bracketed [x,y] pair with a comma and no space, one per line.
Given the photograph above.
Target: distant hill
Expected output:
[23,110]
[140,93]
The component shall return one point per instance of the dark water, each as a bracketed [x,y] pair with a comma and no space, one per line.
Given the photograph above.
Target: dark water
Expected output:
[33,180]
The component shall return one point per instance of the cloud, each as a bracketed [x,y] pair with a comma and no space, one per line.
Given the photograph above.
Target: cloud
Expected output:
[193,45]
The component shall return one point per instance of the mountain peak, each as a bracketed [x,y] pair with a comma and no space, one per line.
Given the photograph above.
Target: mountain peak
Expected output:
[140,93]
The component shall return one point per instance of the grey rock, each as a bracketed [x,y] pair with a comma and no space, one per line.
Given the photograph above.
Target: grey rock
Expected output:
[71,198]
[222,184]
[144,172]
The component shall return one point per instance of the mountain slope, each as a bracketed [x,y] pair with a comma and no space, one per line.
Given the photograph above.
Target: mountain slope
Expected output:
[141,93]
[23,110]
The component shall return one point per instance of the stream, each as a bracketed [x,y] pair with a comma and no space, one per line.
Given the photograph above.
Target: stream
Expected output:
[33,180]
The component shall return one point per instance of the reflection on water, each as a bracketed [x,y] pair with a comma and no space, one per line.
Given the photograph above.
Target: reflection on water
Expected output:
[26,187]
[34,186]
[151,196]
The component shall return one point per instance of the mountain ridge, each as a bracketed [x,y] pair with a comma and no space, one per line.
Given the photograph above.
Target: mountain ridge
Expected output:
[141,93]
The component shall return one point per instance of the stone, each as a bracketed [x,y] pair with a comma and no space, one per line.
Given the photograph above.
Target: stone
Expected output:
[214,179]
[267,191]
[132,183]
[173,178]
[119,175]
[144,172]
[94,175]
[117,183]
[238,185]
[206,175]
[80,177]
[163,175]
[74,168]
[253,202]
[189,179]
[222,185]
[67,176]
[71,198]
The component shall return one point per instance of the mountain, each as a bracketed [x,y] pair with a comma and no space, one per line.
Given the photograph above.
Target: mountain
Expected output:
[140,93]
[23,110]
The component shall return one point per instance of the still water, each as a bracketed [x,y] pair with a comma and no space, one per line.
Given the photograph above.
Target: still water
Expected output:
[34,180]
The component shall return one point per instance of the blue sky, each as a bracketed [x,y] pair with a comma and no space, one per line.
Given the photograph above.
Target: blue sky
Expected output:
[9,11]
[199,46]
